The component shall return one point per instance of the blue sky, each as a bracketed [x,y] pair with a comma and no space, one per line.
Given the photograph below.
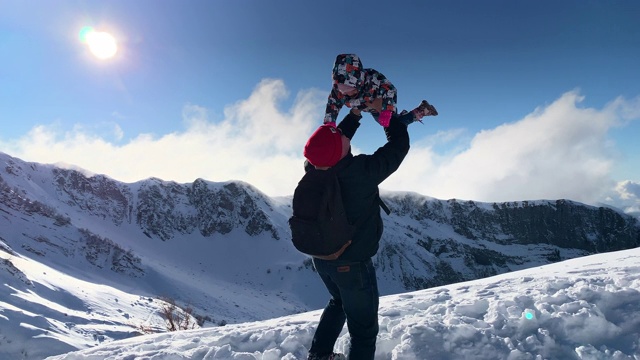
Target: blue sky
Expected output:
[537,99]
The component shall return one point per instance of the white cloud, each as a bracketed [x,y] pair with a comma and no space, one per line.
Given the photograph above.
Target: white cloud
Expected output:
[256,143]
[559,151]
[626,196]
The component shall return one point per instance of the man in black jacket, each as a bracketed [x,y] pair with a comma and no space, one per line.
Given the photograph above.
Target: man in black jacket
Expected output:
[351,279]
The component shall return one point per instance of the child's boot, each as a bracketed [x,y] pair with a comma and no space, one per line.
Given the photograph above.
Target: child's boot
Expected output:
[424,109]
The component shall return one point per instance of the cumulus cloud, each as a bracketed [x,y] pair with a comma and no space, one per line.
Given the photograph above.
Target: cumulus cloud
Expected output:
[626,196]
[256,143]
[559,151]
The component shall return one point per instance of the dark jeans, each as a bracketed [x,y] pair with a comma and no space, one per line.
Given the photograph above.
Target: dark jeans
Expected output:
[354,297]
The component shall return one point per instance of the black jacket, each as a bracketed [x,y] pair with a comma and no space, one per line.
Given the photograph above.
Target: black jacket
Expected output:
[359,181]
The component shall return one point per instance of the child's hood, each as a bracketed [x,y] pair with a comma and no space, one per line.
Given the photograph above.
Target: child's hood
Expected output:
[348,70]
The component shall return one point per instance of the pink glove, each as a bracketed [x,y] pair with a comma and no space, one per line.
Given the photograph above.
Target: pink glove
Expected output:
[384,118]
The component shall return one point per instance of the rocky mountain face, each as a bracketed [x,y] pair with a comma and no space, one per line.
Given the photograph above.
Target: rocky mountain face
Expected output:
[427,242]
[166,209]
[464,240]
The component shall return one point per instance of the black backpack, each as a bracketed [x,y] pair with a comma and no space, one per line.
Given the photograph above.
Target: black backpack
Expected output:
[319,225]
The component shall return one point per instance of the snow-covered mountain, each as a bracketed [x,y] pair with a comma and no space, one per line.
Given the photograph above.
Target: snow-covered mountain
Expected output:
[224,250]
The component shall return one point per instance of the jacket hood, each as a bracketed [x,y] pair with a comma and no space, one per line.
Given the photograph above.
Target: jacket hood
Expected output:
[348,70]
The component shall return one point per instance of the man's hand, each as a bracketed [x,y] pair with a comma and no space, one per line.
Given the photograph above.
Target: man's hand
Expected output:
[355,111]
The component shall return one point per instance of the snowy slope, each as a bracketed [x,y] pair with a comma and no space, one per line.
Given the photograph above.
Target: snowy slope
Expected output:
[85,259]
[586,308]
[60,230]
[44,311]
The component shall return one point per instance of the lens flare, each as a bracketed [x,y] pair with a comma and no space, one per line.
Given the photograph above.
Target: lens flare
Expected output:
[528,315]
[101,44]
[84,32]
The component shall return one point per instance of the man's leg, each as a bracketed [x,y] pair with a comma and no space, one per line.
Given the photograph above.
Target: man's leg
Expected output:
[359,290]
[333,317]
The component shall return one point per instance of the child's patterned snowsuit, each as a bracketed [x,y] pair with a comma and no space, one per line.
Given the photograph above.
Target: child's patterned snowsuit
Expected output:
[370,85]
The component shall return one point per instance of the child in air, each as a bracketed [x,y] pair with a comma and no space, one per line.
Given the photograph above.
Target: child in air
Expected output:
[367,90]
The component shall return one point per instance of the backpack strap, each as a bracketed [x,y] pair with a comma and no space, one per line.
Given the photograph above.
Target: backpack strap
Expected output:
[384,206]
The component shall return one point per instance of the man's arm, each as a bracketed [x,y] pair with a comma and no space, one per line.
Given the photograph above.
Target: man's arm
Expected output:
[387,159]
[350,124]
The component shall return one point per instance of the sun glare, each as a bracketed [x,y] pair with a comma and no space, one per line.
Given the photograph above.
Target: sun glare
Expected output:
[101,44]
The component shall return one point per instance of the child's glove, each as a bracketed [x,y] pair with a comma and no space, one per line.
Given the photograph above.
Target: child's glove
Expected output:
[384,118]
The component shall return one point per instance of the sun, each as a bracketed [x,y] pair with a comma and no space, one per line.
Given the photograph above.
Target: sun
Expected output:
[101,44]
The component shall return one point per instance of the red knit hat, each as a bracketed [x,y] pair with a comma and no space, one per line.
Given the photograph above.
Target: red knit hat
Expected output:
[324,147]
